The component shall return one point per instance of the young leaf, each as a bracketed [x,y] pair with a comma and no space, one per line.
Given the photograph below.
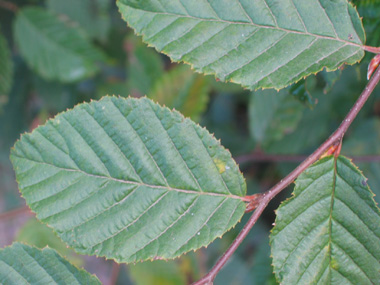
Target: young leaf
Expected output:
[258,44]
[328,233]
[183,90]
[129,180]
[22,264]
[54,50]
[6,70]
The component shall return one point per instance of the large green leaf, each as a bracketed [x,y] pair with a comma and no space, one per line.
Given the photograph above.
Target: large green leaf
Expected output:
[328,233]
[183,90]
[52,48]
[129,180]
[6,70]
[22,264]
[264,43]
[92,15]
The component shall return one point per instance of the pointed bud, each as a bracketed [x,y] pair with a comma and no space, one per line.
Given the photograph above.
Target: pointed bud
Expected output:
[373,65]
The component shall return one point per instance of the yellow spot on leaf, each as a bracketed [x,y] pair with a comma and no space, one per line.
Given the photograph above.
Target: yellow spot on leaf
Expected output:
[221,165]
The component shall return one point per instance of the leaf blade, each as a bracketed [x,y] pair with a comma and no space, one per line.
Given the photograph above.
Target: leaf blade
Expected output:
[331,226]
[286,41]
[66,56]
[148,186]
[23,264]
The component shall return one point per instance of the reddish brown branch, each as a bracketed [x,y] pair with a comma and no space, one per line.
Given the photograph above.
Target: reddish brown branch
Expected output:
[271,193]
[11,214]
[9,6]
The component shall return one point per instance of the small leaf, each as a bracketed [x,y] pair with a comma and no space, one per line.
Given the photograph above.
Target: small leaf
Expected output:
[258,44]
[54,50]
[328,233]
[129,180]
[183,90]
[273,114]
[6,70]
[22,264]
[92,15]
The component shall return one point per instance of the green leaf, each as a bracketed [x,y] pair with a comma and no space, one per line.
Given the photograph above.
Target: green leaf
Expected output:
[22,264]
[328,233]
[273,114]
[129,180]
[52,48]
[145,67]
[92,16]
[258,44]
[183,90]
[6,70]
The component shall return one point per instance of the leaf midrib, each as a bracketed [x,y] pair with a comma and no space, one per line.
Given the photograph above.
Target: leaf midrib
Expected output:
[288,31]
[168,188]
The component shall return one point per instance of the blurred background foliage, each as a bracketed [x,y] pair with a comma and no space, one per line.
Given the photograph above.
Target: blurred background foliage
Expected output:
[55,54]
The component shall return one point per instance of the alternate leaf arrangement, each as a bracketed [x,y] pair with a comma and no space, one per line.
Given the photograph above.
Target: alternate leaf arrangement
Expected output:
[130,180]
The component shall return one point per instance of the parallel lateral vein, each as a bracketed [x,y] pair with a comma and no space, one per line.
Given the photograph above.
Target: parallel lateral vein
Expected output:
[256,25]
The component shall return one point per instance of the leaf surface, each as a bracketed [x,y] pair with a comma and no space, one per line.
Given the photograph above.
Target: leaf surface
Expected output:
[328,233]
[23,264]
[129,180]
[52,48]
[183,90]
[258,44]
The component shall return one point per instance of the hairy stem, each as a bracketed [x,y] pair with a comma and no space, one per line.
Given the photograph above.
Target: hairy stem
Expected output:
[335,138]
[9,6]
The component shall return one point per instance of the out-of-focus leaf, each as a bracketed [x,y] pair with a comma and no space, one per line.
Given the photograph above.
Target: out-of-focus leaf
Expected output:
[39,235]
[129,180]
[312,128]
[302,94]
[53,49]
[273,114]
[23,264]
[6,71]
[183,90]
[328,232]
[257,44]
[158,272]
[330,79]
[92,15]
[145,66]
